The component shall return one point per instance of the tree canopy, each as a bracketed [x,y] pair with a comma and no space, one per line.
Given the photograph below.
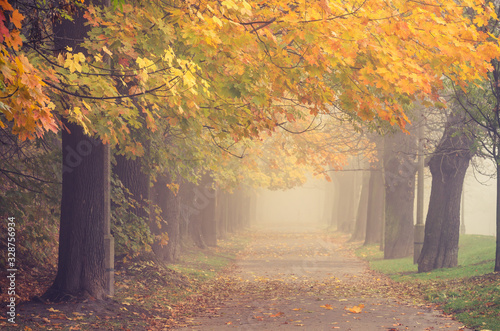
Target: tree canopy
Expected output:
[239,67]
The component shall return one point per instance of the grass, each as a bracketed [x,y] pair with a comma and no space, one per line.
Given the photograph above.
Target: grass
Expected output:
[471,292]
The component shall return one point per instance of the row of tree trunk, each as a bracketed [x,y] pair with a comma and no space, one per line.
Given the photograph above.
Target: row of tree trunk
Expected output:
[85,205]
[377,206]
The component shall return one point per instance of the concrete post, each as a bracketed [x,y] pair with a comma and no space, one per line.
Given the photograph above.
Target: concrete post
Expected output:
[109,242]
[462,213]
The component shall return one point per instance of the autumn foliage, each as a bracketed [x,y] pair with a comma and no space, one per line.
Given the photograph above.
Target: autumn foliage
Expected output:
[23,100]
[241,66]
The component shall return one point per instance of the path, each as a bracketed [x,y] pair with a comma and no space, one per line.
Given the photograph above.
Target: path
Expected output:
[292,280]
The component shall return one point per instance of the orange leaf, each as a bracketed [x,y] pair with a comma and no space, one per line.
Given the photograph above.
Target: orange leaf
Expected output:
[356,309]
[327,306]
[16,18]
[6,5]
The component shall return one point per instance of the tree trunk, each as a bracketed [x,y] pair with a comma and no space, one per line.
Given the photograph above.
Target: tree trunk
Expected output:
[206,199]
[448,166]
[130,173]
[198,207]
[234,212]
[361,216]
[335,201]
[375,213]
[186,209]
[166,245]
[81,268]
[195,230]
[348,198]
[222,213]
[252,207]
[497,254]
[244,197]
[81,238]
[399,174]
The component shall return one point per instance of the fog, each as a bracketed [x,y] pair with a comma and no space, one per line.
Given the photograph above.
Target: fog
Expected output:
[298,208]
[480,205]
[303,207]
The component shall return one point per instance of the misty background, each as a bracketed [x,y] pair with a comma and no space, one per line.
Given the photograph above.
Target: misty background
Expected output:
[305,206]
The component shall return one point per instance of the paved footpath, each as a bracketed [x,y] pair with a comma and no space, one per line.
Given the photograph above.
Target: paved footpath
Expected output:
[294,280]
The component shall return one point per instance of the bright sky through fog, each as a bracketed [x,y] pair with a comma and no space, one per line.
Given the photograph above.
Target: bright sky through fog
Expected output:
[304,206]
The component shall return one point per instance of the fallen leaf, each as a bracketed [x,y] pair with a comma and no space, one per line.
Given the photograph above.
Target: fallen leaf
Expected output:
[327,306]
[356,309]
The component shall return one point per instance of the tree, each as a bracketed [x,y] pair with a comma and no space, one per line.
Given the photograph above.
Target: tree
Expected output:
[376,198]
[232,68]
[359,232]
[448,165]
[81,270]
[399,175]
[204,203]
[350,187]
[375,211]
[81,236]
[165,229]
[481,104]
[134,205]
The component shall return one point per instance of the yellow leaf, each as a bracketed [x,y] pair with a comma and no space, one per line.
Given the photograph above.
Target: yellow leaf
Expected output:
[87,105]
[98,57]
[80,57]
[169,56]
[145,63]
[107,51]
[229,4]
[189,79]
[217,20]
[72,63]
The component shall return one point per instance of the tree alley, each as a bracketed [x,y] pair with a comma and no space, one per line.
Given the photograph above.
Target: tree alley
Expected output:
[222,72]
